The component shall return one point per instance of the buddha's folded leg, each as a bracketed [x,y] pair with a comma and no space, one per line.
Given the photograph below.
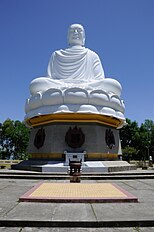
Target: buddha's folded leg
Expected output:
[108,85]
[41,84]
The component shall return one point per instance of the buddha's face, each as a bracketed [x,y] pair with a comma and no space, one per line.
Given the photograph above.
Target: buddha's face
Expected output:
[76,35]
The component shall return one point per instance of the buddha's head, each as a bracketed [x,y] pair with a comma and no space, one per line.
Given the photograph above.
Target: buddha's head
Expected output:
[76,35]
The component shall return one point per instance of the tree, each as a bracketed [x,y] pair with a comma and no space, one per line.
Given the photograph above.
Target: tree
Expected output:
[146,138]
[137,141]
[14,140]
[129,134]
[130,153]
[20,140]
[6,142]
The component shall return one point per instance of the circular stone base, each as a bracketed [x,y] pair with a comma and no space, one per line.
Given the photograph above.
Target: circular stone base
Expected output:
[74,118]
[100,142]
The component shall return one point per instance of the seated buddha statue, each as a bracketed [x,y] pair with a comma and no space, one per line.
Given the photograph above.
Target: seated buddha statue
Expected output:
[75,66]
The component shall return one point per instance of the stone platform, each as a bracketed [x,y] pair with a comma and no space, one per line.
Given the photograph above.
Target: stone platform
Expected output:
[60,167]
[77,193]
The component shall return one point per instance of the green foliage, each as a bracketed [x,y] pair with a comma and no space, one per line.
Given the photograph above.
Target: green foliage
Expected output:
[130,153]
[14,136]
[137,142]
[129,134]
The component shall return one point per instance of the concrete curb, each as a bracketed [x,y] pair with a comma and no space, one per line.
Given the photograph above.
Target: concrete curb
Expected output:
[79,224]
[67,177]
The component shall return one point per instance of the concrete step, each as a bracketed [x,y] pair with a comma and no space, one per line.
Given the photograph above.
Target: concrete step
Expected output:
[83,177]
[61,167]
[76,224]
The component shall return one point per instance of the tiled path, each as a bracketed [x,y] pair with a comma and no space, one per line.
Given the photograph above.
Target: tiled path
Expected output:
[78,192]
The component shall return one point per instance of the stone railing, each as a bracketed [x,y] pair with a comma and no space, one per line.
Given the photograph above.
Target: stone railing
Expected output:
[8,163]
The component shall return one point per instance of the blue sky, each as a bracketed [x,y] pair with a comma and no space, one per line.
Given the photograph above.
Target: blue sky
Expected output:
[121,32]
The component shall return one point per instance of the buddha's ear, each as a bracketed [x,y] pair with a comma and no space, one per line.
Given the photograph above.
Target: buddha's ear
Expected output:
[83,36]
[83,43]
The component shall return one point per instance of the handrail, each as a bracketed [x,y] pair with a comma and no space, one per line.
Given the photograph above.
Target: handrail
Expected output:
[10,161]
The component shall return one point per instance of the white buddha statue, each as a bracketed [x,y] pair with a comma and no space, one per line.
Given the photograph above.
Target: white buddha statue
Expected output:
[75,66]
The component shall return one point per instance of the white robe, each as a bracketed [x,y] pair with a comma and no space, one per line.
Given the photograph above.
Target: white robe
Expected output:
[75,64]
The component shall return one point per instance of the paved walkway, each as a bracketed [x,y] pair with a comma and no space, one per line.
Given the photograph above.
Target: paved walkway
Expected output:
[62,217]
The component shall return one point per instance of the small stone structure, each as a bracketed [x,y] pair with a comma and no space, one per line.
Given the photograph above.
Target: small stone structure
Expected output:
[75,171]
[74,157]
